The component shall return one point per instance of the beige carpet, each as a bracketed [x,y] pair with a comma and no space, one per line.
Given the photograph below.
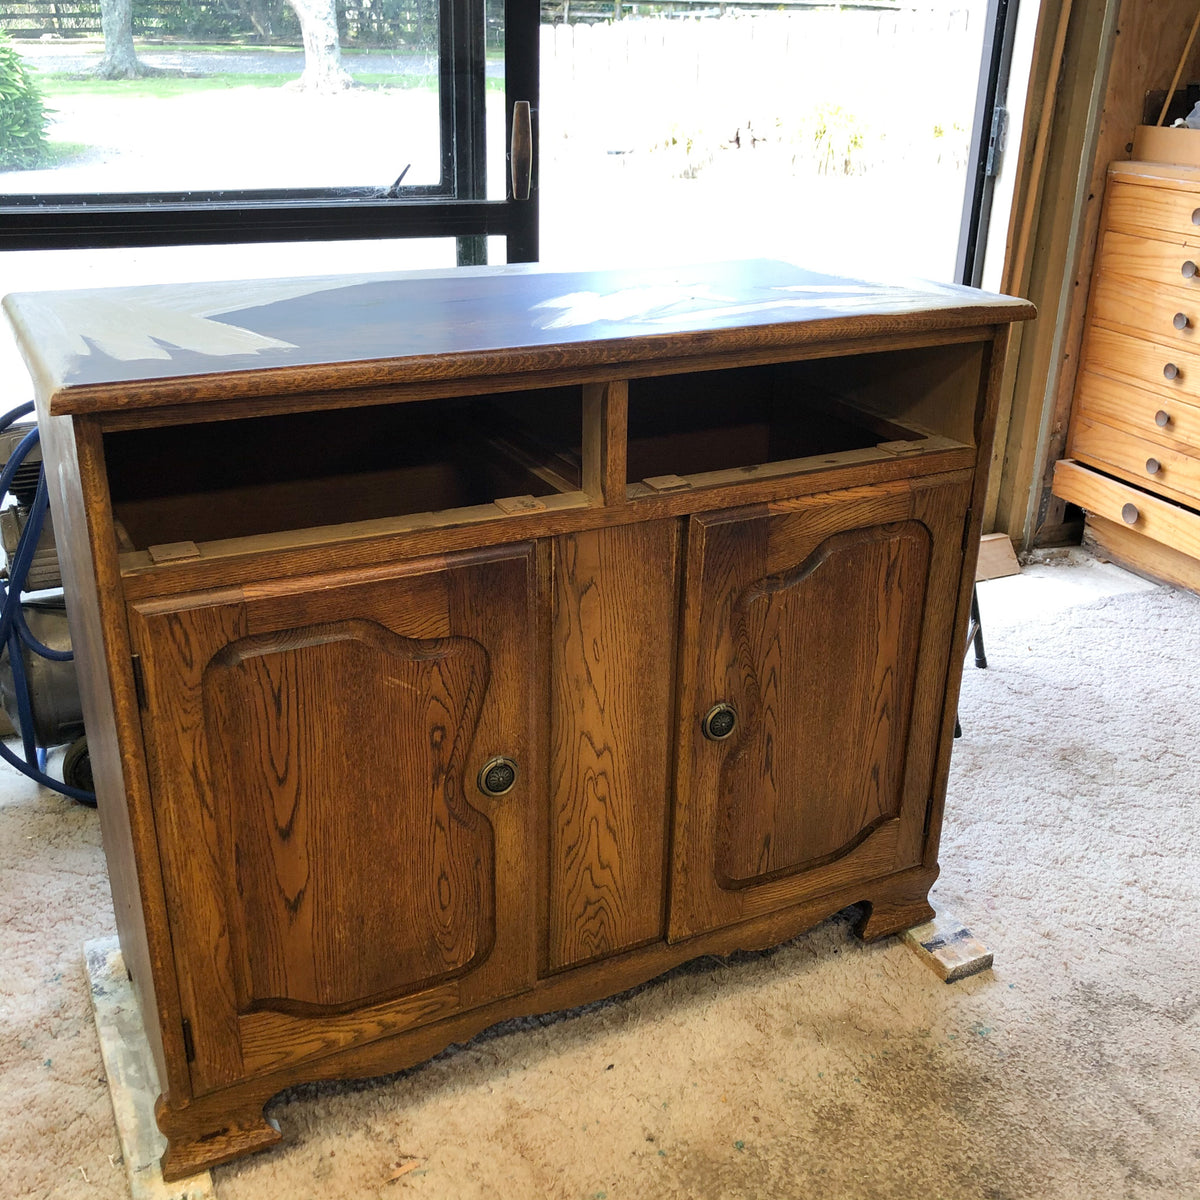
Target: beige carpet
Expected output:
[822,1069]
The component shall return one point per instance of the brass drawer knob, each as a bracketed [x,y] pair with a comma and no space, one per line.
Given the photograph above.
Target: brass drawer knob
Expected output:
[1162,418]
[497,776]
[1130,514]
[719,722]
[1153,466]
[1189,269]
[1180,321]
[1171,371]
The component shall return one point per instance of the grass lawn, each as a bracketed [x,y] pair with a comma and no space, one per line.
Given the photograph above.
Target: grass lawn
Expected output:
[62,154]
[165,87]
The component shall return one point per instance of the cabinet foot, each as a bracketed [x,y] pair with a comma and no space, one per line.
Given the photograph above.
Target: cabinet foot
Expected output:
[904,904]
[191,1149]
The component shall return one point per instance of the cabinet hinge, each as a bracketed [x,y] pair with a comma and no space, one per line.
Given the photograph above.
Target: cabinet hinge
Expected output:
[139,681]
[189,1045]
[966,536]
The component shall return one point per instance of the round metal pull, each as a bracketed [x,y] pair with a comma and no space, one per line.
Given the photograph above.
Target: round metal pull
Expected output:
[497,776]
[1196,216]
[1180,321]
[1153,466]
[719,722]
[1162,418]
[1129,514]
[1171,371]
[1189,269]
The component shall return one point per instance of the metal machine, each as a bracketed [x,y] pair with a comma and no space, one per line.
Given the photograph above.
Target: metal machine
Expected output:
[38,686]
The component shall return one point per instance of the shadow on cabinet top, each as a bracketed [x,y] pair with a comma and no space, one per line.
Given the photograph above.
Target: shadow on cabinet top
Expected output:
[85,348]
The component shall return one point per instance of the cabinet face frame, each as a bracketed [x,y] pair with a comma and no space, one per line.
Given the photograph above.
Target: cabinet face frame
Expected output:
[268,877]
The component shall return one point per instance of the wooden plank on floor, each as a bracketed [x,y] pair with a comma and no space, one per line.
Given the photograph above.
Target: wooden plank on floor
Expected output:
[949,948]
[132,1080]
[996,557]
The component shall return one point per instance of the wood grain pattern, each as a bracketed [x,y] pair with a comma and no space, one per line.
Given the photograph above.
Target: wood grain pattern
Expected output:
[306,876]
[1149,38]
[1138,308]
[237,1132]
[241,561]
[1141,362]
[605,421]
[1149,207]
[1176,474]
[274,1040]
[1157,260]
[175,649]
[940,739]
[88,557]
[1136,414]
[851,612]
[1157,519]
[216,1128]
[740,843]
[1112,541]
[345,885]
[125,348]
[452,381]
[337,896]
[612,689]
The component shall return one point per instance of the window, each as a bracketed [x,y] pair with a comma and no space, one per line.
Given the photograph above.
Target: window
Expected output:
[222,145]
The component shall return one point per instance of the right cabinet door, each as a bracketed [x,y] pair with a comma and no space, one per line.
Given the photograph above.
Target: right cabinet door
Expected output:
[815,651]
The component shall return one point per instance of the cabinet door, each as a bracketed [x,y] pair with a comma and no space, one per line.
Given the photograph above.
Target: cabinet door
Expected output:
[334,870]
[825,625]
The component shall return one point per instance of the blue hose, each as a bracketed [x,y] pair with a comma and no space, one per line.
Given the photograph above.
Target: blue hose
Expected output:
[31,535]
[13,628]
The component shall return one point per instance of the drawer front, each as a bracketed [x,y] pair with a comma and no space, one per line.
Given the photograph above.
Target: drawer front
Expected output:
[1169,314]
[1148,515]
[1153,260]
[1144,209]
[1152,466]
[1165,370]
[1168,422]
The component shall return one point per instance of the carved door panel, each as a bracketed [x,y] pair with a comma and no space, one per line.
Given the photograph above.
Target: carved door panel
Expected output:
[335,869]
[814,659]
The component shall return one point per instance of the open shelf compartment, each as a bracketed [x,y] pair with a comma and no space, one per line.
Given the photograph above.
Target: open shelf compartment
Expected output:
[716,427]
[446,461]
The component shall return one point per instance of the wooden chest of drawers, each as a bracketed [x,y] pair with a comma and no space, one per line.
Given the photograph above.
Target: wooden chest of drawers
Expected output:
[1133,446]
[461,646]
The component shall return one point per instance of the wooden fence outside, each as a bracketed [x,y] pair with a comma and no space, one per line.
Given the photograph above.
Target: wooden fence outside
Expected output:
[363,22]
[410,23]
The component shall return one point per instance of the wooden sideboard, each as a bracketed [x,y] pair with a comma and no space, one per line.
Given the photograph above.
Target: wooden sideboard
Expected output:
[1133,446]
[463,645]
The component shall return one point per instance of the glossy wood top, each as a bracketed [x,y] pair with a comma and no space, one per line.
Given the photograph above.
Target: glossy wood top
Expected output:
[120,348]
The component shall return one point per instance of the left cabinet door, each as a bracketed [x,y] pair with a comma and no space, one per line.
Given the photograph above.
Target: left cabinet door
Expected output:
[335,870]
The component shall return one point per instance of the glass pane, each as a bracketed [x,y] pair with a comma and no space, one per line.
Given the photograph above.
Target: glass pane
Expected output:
[230,99]
[836,136]
[42,270]
[495,106]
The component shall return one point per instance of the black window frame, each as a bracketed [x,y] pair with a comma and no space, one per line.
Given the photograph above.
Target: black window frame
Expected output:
[455,207]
